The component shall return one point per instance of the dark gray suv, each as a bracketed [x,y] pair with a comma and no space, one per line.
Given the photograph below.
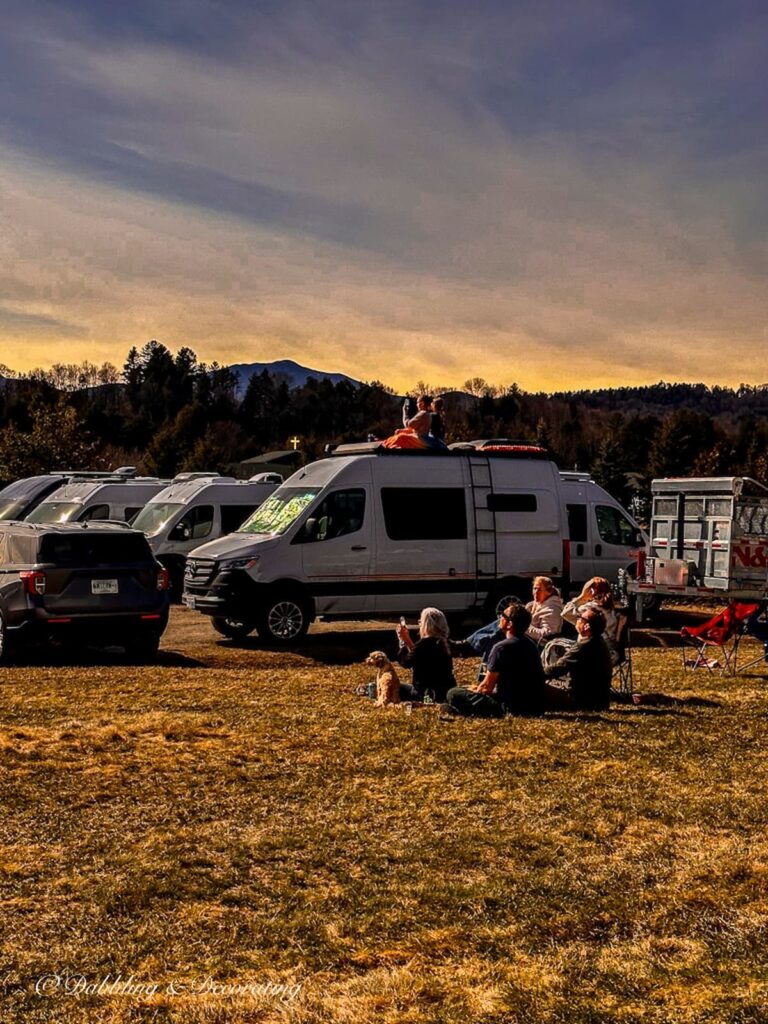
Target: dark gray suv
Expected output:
[82,583]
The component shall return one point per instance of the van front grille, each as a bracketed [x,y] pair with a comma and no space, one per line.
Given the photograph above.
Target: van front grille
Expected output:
[199,572]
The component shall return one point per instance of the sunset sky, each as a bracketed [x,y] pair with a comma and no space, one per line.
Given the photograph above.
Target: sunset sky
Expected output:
[563,194]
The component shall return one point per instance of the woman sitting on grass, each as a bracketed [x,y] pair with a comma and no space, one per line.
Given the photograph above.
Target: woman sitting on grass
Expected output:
[429,658]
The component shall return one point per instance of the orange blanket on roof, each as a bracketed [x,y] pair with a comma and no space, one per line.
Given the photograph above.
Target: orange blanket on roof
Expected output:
[405,438]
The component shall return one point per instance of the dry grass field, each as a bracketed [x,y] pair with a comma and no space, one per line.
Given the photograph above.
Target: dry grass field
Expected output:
[232,818]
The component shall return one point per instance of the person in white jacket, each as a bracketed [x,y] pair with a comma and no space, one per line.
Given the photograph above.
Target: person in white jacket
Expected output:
[546,610]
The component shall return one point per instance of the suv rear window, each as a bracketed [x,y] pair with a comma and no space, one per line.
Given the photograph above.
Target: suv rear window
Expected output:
[94,548]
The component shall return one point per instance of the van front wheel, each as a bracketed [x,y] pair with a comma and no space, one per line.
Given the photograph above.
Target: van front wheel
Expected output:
[283,620]
[503,596]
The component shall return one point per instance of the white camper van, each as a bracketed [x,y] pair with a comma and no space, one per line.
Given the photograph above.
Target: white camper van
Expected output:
[604,537]
[119,497]
[371,532]
[18,499]
[195,508]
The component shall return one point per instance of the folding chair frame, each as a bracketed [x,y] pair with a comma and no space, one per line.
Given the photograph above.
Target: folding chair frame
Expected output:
[622,671]
[727,648]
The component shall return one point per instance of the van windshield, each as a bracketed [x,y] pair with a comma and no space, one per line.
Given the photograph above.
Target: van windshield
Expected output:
[11,509]
[153,517]
[280,510]
[54,512]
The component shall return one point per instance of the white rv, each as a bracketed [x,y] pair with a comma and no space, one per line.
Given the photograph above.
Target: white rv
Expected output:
[371,532]
[195,508]
[119,497]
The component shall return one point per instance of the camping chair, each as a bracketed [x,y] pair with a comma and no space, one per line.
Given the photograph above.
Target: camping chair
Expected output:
[719,634]
[756,626]
[622,670]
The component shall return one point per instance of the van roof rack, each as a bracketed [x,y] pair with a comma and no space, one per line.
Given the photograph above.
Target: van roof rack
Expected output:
[494,446]
[180,477]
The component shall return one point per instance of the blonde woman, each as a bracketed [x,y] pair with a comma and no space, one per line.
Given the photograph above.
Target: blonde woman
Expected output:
[546,610]
[429,658]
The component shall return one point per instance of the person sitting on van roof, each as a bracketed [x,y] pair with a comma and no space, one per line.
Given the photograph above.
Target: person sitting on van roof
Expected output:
[587,664]
[514,682]
[416,433]
[429,659]
[436,425]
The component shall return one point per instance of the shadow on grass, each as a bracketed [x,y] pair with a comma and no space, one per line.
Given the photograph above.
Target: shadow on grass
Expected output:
[338,647]
[65,657]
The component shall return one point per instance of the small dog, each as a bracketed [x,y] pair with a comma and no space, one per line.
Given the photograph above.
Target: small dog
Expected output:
[387,683]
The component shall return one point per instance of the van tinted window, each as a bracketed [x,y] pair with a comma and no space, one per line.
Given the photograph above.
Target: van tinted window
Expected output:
[94,512]
[512,502]
[195,524]
[577,523]
[233,516]
[613,527]
[339,514]
[424,513]
[94,548]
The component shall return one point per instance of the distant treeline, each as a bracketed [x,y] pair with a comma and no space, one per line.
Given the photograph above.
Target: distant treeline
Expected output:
[166,413]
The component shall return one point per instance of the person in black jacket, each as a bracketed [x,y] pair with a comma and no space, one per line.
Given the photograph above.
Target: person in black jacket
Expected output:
[429,659]
[588,667]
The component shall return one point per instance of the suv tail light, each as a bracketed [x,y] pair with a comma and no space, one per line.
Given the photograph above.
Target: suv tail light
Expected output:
[34,581]
[163,579]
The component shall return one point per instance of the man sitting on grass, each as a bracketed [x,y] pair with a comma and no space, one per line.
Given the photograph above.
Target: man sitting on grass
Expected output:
[514,682]
[588,666]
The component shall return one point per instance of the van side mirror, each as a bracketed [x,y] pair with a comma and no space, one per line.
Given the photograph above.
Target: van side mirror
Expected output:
[310,529]
[181,531]
[637,539]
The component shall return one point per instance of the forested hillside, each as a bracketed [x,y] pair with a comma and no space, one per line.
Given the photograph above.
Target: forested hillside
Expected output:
[165,413]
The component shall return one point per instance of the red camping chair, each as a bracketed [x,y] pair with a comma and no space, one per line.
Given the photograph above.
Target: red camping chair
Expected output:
[719,634]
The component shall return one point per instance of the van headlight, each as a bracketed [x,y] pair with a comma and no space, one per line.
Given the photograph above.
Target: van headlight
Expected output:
[239,563]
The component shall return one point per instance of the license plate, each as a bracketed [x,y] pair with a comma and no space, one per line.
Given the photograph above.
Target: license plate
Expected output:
[103,586]
[189,602]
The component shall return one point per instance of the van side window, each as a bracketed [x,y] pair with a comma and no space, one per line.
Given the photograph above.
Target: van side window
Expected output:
[613,527]
[512,502]
[424,513]
[130,514]
[94,512]
[339,514]
[195,525]
[233,516]
[577,523]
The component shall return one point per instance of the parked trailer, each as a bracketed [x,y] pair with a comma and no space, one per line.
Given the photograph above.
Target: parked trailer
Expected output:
[372,532]
[708,538]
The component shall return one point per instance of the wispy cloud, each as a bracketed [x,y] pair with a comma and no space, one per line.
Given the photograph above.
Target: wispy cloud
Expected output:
[557,196]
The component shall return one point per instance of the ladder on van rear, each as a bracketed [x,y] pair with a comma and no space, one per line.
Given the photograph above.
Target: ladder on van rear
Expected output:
[484,521]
